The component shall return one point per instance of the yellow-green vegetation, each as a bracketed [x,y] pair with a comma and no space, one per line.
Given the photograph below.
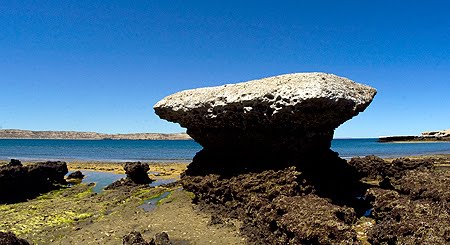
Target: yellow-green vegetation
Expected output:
[39,218]
[190,194]
[55,208]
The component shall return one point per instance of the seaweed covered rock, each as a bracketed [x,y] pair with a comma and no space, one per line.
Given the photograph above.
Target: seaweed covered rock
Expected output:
[76,175]
[375,168]
[302,220]
[241,195]
[18,182]
[10,238]
[425,184]
[402,220]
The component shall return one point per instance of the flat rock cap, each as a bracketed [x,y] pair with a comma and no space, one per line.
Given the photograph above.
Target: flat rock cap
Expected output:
[307,100]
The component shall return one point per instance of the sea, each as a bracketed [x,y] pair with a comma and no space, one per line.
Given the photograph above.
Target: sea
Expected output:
[182,150]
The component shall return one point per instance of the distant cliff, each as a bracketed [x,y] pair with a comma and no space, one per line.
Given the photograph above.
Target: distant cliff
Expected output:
[440,135]
[28,134]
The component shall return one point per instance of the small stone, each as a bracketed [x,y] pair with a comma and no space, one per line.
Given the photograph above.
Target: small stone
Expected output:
[76,175]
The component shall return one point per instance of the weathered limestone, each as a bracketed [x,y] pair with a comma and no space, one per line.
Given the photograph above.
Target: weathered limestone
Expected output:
[266,158]
[287,113]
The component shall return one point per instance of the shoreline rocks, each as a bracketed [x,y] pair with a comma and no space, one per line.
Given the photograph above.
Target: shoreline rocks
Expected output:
[136,175]
[76,175]
[19,182]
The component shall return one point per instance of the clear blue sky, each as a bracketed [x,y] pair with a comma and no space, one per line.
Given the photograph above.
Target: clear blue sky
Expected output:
[101,65]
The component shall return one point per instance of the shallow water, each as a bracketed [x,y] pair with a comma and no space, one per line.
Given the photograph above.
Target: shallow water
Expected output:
[151,203]
[103,179]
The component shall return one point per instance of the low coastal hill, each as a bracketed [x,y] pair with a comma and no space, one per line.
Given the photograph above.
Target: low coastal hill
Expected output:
[28,134]
[441,135]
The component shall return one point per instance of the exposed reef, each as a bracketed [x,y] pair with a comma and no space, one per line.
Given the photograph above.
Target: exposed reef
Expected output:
[19,182]
[414,208]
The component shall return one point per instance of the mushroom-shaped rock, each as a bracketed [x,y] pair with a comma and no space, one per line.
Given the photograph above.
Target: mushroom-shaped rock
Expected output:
[287,113]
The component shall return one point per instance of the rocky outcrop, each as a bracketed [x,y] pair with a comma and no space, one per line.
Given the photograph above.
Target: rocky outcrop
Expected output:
[136,175]
[137,172]
[76,175]
[18,182]
[293,113]
[10,238]
[266,144]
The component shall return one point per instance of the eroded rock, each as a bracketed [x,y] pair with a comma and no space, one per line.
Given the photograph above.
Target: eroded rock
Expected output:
[18,182]
[287,113]
[267,140]
[76,175]
[137,172]
[136,175]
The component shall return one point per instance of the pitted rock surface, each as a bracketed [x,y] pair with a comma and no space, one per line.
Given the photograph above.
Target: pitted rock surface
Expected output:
[299,108]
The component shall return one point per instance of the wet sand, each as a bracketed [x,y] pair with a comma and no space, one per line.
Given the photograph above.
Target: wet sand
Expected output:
[164,170]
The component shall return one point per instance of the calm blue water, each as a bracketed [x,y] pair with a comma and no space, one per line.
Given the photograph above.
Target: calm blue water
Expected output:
[182,150]
[110,150]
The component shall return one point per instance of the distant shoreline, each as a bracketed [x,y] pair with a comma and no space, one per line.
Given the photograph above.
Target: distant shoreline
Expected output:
[73,135]
[413,139]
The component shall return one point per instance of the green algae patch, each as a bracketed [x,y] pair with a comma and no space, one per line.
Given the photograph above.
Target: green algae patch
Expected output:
[53,210]
[191,195]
